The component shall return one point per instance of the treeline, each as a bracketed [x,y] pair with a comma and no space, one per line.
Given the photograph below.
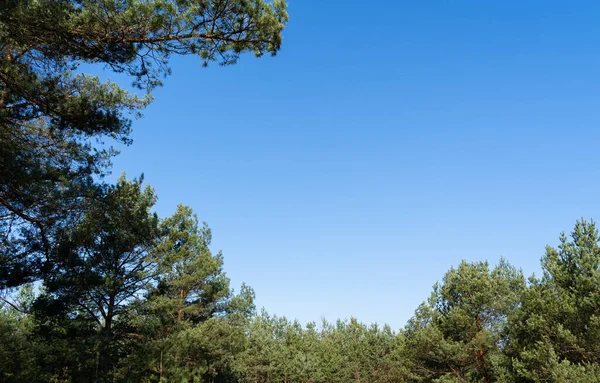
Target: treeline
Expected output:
[480,324]
[175,319]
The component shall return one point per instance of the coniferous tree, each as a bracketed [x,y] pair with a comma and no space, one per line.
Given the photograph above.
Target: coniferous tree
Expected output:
[53,117]
[191,283]
[459,333]
[103,264]
[555,335]
[191,322]
[17,348]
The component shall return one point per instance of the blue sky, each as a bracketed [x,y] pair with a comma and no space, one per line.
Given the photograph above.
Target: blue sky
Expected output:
[387,141]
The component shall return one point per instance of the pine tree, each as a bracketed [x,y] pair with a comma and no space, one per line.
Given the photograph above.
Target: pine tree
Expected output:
[54,118]
[191,284]
[555,335]
[458,334]
[103,265]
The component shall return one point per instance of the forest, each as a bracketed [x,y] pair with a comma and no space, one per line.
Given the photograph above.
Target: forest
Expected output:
[95,286]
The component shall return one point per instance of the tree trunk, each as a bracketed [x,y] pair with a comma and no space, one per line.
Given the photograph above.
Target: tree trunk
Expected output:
[160,367]
[180,309]
[106,341]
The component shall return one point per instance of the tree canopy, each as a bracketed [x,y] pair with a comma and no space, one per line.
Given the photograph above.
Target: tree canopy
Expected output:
[140,298]
[57,121]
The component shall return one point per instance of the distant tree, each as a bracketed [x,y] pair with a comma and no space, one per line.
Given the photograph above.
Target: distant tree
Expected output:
[276,351]
[256,359]
[18,351]
[394,366]
[280,350]
[54,117]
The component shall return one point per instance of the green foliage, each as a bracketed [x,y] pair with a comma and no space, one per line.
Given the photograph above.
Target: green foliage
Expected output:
[101,266]
[480,324]
[125,296]
[459,334]
[555,335]
[54,119]
[16,349]
[191,283]
[347,351]
[205,353]
[191,322]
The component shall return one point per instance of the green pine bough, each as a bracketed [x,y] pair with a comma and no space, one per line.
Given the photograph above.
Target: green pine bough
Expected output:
[55,120]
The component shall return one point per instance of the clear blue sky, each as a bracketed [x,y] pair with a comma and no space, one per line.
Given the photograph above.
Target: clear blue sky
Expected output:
[386,142]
